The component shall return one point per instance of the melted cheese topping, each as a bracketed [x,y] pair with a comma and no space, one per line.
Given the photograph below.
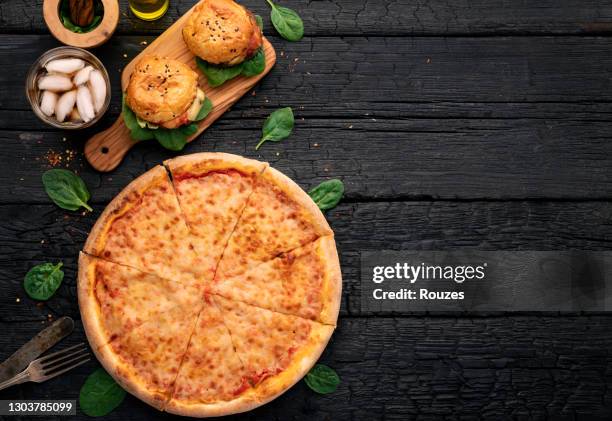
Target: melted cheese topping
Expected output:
[212,204]
[169,340]
[272,223]
[151,353]
[265,341]
[194,108]
[291,283]
[211,370]
[129,297]
[152,236]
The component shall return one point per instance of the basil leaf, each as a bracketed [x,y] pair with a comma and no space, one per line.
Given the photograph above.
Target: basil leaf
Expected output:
[255,65]
[43,280]
[259,21]
[205,110]
[287,22]
[277,126]
[100,394]
[142,133]
[174,139]
[322,379]
[131,122]
[218,75]
[66,189]
[327,194]
[129,118]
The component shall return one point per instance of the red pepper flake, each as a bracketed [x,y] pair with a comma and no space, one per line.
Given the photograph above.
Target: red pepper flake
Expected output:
[55,159]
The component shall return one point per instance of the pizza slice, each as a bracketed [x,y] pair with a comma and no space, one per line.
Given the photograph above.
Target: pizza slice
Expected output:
[211,380]
[115,299]
[276,349]
[143,228]
[279,217]
[146,360]
[212,190]
[304,282]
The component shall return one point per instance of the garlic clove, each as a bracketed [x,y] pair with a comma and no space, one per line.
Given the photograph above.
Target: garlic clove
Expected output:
[64,105]
[54,83]
[82,76]
[65,65]
[98,89]
[85,103]
[48,100]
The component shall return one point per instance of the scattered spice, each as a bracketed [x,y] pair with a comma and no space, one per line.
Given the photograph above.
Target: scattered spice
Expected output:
[55,159]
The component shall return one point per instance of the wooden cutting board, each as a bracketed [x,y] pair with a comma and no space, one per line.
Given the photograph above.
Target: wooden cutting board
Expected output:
[105,150]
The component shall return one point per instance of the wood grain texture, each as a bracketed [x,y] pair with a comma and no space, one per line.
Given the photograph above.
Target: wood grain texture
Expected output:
[429,368]
[105,150]
[387,135]
[381,73]
[390,159]
[98,36]
[380,17]
[33,234]
[478,124]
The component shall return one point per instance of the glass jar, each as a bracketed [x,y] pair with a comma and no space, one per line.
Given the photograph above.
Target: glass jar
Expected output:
[38,69]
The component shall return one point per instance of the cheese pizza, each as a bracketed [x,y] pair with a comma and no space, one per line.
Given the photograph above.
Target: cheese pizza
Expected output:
[209,285]
[302,282]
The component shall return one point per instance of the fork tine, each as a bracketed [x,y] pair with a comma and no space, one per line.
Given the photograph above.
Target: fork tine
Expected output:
[57,373]
[52,368]
[55,354]
[56,361]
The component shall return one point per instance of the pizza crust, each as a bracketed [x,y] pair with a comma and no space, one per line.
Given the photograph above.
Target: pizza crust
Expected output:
[115,367]
[271,387]
[303,361]
[89,306]
[99,343]
[332,281]
[122,203]
[297,194]
[203,162]
[245,402]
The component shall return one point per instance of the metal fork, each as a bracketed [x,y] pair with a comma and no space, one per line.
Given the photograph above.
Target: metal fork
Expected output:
[50,366]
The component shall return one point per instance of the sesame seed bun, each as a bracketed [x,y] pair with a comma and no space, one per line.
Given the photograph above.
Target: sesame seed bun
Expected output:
[161,91]
[222,32]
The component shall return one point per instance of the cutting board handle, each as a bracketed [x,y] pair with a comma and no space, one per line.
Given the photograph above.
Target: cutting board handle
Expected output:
[105,150]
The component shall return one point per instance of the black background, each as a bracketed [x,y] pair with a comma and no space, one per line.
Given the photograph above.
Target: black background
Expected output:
[482,124]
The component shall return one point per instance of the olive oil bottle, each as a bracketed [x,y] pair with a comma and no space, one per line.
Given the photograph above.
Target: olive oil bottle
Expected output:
[149,9]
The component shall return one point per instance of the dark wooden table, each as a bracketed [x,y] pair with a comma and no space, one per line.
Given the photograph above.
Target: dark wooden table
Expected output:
[471,124]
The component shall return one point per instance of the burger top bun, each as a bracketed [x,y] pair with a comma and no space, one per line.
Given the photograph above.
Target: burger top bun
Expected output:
[222,32]
[161,90]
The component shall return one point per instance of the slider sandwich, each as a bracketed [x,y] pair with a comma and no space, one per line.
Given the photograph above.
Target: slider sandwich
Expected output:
[226,39]
[163,100]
